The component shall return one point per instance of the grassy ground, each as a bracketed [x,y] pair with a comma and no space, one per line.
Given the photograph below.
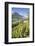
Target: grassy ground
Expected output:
[21,30]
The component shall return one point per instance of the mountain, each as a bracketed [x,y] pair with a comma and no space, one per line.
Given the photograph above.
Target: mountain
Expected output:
[16,17]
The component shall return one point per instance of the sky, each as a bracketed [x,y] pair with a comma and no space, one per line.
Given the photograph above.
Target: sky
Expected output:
[21,11]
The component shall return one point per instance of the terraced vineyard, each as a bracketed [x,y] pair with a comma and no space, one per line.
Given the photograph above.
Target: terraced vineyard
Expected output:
[20,30]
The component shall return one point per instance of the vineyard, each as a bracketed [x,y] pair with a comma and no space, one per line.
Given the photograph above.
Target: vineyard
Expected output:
[20,29]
